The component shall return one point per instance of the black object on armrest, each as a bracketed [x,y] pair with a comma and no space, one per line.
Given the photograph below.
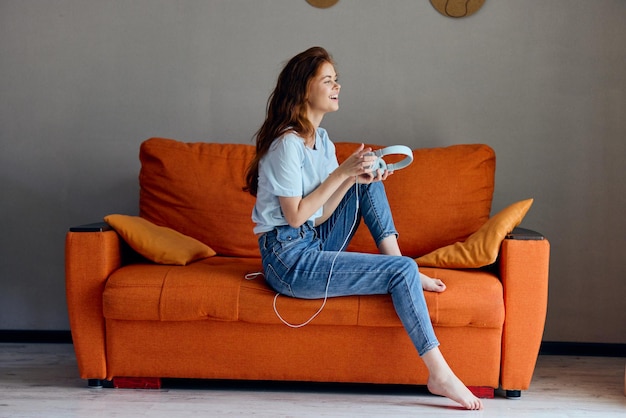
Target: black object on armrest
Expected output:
[129,256]
[525,235]
[94,227]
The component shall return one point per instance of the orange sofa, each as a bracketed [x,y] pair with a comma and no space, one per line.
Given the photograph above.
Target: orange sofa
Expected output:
[131,317]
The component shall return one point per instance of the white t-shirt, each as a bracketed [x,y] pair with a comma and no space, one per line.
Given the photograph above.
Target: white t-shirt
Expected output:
[291,169]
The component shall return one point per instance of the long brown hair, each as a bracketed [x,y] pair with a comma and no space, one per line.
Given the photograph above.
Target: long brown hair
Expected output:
[286,107]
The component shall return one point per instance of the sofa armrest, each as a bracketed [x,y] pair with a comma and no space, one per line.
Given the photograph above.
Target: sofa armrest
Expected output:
[524,268]
[92,253]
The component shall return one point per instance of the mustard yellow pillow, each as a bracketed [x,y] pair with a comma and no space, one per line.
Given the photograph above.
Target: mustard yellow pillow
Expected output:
[158,243]
[482,247]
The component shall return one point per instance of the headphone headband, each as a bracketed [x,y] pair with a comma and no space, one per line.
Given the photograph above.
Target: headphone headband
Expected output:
[394,149]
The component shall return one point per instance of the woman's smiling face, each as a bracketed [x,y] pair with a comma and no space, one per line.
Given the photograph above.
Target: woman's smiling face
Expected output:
[323,94]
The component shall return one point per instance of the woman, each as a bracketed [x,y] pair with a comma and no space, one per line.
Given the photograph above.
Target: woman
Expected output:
[308,207]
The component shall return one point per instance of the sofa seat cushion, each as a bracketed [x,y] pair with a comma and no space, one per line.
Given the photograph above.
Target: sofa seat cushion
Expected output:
[201,290]
[216,288]
[472,298]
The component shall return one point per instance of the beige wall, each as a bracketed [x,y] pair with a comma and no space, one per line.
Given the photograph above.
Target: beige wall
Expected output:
[83,82]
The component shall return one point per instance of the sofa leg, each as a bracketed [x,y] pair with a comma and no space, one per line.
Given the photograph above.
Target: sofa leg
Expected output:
[94,383]
[99,383]
[484,392]
[513,394]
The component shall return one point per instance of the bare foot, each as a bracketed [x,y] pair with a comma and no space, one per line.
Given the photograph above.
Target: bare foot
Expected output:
[432,285]
[452,388]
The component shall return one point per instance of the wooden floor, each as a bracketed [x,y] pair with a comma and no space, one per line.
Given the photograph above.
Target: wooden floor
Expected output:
[40,380]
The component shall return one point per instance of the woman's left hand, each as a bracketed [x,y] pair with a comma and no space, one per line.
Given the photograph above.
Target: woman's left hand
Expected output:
[371,177]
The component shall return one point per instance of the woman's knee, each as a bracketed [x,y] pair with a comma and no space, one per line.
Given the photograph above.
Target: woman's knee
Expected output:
[407,271]
[411,266]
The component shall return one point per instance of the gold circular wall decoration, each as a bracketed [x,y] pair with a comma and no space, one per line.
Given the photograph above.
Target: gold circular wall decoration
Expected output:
[322,4]
[457,8]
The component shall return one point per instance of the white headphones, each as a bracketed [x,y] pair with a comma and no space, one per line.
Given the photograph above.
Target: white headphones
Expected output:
[394,149]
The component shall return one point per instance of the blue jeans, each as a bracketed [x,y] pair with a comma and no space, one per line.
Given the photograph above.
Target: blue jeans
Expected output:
[308,262]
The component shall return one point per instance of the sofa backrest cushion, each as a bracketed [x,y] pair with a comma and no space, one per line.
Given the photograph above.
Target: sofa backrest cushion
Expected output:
[442,197]
[196,189]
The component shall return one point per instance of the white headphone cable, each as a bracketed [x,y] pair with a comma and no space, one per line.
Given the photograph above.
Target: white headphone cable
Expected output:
[330,273]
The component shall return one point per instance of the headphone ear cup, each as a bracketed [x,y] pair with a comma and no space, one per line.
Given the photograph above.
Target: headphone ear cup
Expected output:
[379,164]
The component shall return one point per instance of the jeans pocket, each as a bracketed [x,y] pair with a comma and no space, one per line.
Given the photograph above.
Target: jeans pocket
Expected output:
[290,245]
[288,236]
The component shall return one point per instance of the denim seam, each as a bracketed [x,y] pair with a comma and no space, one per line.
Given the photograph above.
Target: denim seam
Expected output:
[339,214]
[428,345]
[385,233]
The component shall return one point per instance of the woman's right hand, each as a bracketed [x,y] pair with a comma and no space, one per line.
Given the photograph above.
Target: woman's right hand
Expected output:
[360,165]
